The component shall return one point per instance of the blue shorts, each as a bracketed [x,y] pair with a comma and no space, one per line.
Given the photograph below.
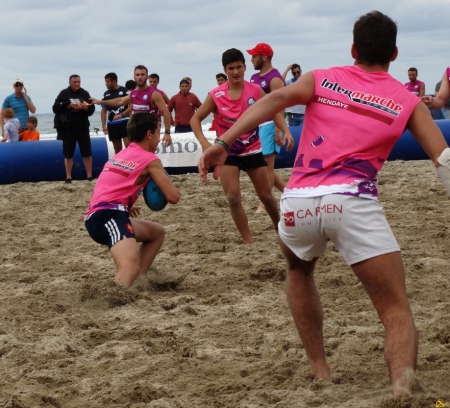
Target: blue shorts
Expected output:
[107,227]
[267,137]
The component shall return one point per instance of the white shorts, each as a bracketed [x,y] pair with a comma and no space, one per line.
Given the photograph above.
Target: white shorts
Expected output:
[357,226]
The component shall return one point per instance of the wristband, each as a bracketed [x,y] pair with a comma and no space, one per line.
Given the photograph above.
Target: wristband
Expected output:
[223,144]
[167,132]
[444,158]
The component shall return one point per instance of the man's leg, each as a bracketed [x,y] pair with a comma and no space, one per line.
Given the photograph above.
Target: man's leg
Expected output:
[68,163]
[383,277]
[306,309]
[117,144]
[274,178]
[132,263]
[260,180]
[126,141]
[87,161]
[151,234]
[229,177]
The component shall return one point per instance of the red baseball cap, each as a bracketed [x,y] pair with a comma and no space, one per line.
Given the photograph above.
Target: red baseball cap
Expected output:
[261,49]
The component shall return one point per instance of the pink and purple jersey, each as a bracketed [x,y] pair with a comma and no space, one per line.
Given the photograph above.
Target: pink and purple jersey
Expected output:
[142,101]
[264,80]
[414,87]
[354,119]
[228,112]
[115,189]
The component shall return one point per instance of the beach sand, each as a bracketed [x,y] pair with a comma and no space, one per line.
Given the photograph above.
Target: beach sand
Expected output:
[211,326]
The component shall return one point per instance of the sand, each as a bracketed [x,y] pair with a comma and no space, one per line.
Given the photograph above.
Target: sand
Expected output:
[211,326]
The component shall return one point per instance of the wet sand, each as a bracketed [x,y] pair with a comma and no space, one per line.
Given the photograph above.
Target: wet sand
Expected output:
[211,326]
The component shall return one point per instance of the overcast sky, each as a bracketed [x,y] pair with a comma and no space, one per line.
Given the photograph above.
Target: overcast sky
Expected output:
[44,42]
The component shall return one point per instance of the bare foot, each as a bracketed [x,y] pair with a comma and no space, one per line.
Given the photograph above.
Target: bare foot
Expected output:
[260,208]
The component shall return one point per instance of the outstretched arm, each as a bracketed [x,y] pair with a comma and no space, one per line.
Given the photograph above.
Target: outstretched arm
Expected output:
[114,103]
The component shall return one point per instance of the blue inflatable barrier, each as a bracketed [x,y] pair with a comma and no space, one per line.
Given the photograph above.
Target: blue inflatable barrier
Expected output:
[44,161]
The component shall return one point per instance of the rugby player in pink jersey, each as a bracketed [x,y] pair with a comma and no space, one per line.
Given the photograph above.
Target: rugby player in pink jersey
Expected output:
[355,115]
[228,102]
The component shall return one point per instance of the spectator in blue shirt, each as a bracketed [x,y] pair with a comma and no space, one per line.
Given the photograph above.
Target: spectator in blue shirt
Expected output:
[20,102]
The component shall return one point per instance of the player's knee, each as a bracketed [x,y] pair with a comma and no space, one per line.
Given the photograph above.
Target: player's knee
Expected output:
[234,200]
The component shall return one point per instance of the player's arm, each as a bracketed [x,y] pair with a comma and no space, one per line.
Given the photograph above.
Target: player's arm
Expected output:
[430,138]
[299,93]
[438,101]
[277,83]
[156,171]
[103,118]
[284,74]
[113,103]
[422,90]
[196,121]
[158,102]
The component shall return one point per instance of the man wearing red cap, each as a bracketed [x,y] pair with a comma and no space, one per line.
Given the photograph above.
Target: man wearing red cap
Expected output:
[269,79]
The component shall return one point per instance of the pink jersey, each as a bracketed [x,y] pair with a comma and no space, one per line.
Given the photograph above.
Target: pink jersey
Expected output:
[414,87]
[115,189]
[229,110]
[353,121]
[142,101]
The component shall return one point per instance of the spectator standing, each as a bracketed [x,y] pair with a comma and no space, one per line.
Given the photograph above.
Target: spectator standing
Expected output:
[185,104]
[72,110]
[414,85]
[21,104]
[114,120]
[295,114]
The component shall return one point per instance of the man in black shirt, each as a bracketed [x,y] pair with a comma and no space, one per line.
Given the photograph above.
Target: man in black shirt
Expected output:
[114,120]
[72,109]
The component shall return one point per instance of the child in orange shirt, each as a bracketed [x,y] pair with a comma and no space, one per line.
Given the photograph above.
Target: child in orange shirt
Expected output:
[31,133]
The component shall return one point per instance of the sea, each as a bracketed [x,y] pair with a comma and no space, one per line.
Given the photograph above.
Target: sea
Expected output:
[48,132]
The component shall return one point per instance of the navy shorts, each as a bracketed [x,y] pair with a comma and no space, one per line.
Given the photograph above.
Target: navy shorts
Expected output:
[245,163]
[117,131]
[107,227]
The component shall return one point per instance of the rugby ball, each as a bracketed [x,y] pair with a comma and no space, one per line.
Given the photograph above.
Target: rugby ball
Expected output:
[154,197]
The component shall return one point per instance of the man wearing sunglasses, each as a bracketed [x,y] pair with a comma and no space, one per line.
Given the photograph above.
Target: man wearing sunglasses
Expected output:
[295,114]
[20,102]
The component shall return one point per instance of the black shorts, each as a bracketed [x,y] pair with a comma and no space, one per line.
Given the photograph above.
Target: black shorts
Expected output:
[117,131]
[245,163]
[107,227]
[71,137]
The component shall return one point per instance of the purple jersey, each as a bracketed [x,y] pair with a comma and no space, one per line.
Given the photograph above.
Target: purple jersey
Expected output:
[264,80]
[414,87]
[142,101]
